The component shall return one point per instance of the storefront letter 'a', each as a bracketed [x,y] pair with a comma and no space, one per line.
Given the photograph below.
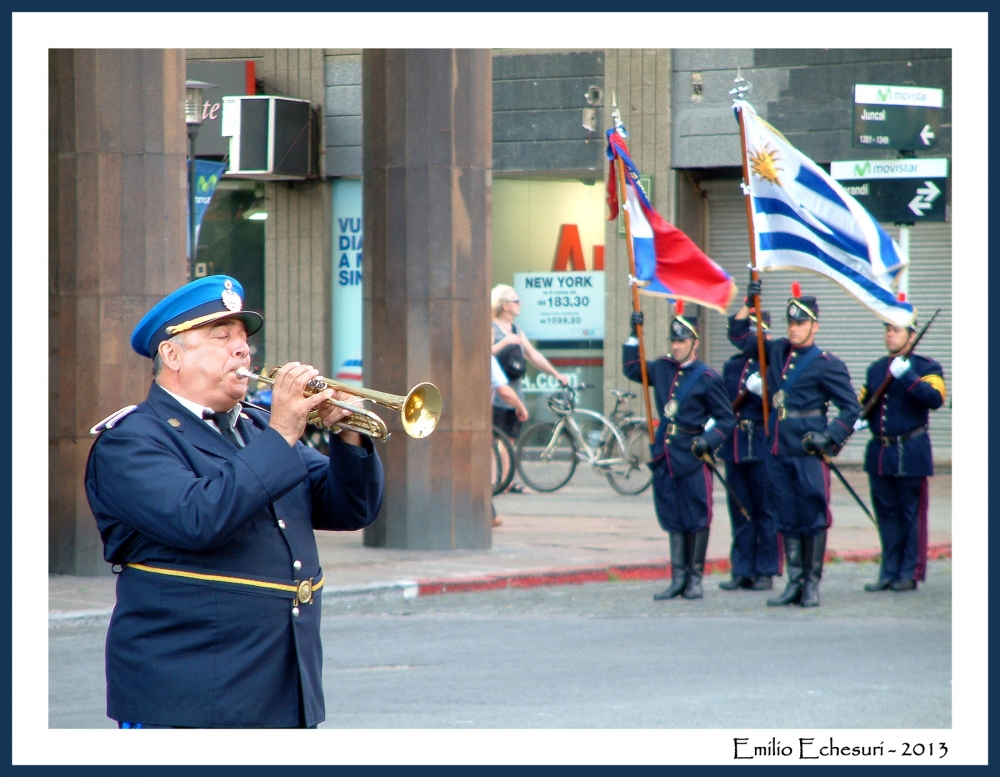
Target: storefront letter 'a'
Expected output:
[569,250]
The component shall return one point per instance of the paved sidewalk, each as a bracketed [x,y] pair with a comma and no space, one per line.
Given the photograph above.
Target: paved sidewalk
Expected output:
[583,532]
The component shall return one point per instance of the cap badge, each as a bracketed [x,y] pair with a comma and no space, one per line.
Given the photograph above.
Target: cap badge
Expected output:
[230,298]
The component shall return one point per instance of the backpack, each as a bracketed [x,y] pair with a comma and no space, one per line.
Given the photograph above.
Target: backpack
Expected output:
[511,359]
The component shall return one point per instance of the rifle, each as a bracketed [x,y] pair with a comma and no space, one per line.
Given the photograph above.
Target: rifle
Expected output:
[880,391]
[740,400]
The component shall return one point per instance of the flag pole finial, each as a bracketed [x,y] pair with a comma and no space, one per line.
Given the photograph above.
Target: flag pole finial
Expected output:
[617,117]
[742,89]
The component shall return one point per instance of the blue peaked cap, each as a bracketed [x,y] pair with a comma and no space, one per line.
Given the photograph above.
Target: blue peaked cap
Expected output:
[195,304]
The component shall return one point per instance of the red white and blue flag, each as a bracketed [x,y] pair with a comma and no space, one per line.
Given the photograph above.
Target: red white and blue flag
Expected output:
[667,262]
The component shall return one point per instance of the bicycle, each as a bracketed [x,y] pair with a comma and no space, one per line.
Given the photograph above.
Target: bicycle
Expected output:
[548,453]
[633,477]
[501,461]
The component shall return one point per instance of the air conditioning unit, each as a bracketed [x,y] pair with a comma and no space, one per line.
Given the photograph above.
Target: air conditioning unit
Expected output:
[270,138]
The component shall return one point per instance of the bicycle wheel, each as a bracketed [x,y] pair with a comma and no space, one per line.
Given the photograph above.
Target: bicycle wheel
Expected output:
[631,476]
[545,463]
[502,464]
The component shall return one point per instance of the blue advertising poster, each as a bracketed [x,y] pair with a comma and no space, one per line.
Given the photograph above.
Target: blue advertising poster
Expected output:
[348,236]
[207,177]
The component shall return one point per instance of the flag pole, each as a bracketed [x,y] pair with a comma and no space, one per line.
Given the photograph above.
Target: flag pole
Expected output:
[741,90]
[636,305]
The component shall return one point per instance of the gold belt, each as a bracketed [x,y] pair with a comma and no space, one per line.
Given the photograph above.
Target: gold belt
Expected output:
[302,591]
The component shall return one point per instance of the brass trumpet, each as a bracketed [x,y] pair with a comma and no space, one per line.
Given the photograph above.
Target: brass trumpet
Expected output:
[419,410]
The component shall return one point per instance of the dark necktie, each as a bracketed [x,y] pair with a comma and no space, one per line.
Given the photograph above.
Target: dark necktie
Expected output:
[225,423]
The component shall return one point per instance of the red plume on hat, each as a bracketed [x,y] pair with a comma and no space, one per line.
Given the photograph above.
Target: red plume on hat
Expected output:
[679,307]
[796,289]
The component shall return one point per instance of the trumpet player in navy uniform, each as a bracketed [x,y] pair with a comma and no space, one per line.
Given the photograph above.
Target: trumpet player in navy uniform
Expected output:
[695,418]
[753,555]
[802,380]
[898,457]
[206,507]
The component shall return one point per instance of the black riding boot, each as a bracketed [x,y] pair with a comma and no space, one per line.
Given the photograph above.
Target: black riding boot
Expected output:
[814,572]
[678,566]
[793,567]
[699,545]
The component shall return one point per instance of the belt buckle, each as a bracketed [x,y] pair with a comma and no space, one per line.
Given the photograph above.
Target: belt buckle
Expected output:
[782,413]
[671,430]
[304,592]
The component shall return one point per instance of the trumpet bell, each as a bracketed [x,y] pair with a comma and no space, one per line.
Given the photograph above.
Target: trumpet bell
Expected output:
[421,410]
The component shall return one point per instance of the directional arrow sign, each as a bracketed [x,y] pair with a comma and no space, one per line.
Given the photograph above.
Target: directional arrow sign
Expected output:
[901,117]
[896,190]
[924,200]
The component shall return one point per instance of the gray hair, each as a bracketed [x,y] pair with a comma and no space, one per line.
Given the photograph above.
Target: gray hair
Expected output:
[177,339]
[497,295]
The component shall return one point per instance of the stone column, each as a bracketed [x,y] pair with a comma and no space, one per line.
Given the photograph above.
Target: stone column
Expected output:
[427,156]
[117,188]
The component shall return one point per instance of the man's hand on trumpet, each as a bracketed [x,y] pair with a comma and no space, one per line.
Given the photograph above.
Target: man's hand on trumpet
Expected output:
[290,405]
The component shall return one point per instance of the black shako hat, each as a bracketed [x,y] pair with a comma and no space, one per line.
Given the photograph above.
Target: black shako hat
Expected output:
[683,327]
[764,315]
[801,308]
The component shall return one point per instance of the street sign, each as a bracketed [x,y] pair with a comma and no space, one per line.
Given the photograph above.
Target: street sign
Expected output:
[900,117]
[902,191]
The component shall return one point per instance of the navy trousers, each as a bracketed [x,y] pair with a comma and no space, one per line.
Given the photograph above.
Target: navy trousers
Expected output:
[683,504]
[799,490]
[754,552]
[901,508]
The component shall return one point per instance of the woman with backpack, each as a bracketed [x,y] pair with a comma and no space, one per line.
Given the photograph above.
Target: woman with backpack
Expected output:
[511,348]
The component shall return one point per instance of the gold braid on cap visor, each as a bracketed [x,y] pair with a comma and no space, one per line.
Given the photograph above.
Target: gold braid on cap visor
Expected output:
[196,322]
[801,306]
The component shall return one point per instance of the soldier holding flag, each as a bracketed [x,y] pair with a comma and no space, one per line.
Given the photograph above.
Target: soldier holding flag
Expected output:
[802,380]
[688,394]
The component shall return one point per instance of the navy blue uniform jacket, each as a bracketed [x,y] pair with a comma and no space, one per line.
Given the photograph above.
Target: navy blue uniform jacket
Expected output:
[825,379]
[706,399]
[167,489]
[903,408]
[747,442]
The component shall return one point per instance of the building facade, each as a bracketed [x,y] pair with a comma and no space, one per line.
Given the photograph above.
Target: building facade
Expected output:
[303,265]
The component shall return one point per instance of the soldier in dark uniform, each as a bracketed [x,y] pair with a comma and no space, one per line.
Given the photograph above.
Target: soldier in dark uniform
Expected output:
[801,380]
[695,417]
[206,508]
[754,551]
[898,457]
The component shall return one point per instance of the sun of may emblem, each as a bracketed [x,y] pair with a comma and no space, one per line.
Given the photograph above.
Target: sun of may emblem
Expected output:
[765,164]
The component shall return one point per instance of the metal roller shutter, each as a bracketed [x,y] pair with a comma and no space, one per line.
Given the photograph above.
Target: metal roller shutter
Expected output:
[846,328]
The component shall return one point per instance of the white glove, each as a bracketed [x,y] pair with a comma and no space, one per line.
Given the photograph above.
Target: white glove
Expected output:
[898,366]
[861,423]
[632,341]
[709,424]
[753,384]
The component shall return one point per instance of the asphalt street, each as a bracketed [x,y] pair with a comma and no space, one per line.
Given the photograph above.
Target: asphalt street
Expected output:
[605,655]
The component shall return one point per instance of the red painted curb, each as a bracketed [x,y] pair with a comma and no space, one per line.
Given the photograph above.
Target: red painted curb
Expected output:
[653,570]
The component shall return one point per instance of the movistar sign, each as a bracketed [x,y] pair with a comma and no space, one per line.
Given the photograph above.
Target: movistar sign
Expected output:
[901,191]
[889,168]
[920,96]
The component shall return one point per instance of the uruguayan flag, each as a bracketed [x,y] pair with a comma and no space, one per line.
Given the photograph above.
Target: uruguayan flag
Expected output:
[804,219]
